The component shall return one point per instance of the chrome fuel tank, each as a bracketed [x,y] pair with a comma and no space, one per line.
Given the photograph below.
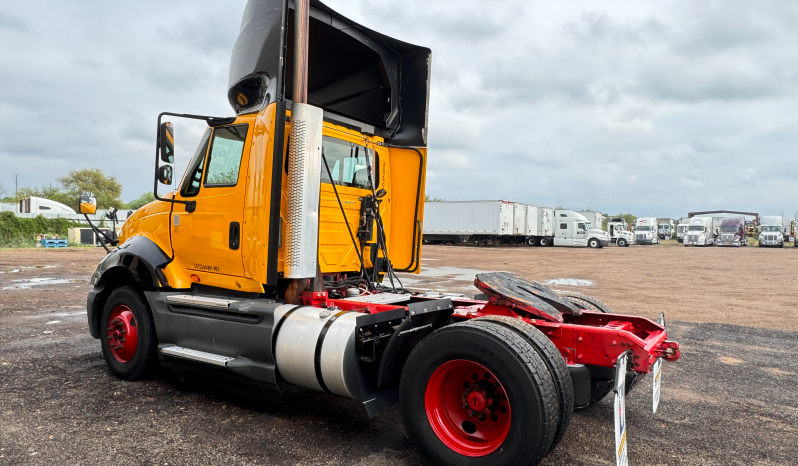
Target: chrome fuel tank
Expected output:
[315,348]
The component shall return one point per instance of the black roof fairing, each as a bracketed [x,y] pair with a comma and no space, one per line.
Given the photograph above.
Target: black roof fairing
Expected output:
[352,71]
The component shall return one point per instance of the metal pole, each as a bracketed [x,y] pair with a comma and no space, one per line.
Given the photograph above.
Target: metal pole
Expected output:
[301,33]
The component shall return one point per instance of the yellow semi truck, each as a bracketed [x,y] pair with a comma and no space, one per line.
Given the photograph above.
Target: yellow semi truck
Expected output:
[274,260]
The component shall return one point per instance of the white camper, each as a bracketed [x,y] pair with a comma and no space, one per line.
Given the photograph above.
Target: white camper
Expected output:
[771,231]
[699,232]
[646,231]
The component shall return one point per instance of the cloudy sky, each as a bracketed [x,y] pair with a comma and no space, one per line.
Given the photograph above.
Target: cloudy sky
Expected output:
[653,108]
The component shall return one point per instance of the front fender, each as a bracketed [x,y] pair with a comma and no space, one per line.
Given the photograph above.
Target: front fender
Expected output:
[136,263]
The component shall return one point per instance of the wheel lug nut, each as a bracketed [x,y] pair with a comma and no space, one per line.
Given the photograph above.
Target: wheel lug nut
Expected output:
[487,375]
[474,376]
[494,417]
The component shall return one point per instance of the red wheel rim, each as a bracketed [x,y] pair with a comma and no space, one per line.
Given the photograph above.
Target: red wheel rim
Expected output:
[123,334]
[467,408]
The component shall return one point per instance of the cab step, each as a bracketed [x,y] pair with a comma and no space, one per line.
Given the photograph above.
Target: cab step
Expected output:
[200,301]
[195,355]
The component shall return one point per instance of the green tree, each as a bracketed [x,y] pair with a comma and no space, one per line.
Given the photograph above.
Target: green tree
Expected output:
[142,200]
[428,198]
[106,189]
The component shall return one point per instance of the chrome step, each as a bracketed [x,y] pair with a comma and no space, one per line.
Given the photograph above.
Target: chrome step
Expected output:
[379,298]
[195,355]
[200,301]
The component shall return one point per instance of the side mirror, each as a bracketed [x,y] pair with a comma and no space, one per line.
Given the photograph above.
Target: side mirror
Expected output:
[381,193]
[165,174]
[167,138]
[88,204]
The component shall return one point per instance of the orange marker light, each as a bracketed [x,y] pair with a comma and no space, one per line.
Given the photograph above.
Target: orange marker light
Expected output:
[194,278]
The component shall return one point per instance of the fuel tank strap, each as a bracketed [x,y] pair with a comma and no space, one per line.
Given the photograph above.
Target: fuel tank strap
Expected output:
[319,344]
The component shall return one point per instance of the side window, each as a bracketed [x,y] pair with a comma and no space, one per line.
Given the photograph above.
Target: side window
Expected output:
[581,226]
[191,184]
[563,226]
[348,163]
[224,157]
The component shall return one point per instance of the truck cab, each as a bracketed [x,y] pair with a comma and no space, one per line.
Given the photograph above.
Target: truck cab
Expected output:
[618,231]
[665,229]
[681,231]
[771,232]
[574,229]
[646,231]
[699,232]
[732,232]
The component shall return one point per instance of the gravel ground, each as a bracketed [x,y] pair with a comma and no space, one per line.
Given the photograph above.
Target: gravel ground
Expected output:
[731,398]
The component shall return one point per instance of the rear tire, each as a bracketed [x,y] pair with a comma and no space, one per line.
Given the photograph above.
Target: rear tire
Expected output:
[463,365]
[531,242]
[544,241]
[128,338]
[563,384]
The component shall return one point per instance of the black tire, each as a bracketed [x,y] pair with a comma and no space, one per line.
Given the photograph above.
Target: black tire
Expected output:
[532,242]
[588,302]
[145,359]
[544,241]
[522,373]
[563,384]
[622,242]
[593,243]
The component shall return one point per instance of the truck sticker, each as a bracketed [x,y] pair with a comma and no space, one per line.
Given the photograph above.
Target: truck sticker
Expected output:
[206,268]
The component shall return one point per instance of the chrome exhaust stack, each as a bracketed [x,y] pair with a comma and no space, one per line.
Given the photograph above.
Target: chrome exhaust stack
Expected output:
[304,161]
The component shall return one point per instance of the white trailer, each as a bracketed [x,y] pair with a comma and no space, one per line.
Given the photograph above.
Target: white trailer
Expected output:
[519,219]
[473,222]
[699,232]
[540,226]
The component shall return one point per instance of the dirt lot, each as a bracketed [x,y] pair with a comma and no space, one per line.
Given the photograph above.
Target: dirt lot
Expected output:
[731,399]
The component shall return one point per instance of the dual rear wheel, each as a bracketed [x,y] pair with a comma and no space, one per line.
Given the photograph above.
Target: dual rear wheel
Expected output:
[487,391]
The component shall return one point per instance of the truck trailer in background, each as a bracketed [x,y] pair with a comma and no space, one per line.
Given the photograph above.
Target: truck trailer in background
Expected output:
[771,231]
[40,205]
[595,218]
[539,226]
[732,232]
[699,232]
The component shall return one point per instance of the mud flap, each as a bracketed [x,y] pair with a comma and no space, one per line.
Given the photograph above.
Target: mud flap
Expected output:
[620,410]
[656,370]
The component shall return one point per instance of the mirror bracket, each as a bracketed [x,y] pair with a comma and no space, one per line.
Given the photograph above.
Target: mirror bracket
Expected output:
[191,206]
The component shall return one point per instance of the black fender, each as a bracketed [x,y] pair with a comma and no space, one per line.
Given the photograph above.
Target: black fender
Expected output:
[137,262]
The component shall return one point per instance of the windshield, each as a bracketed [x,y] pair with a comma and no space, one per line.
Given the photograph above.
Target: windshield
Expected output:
[641,228]
[683,228]
[771,228]
[696,227]
[588,226]
[729,229]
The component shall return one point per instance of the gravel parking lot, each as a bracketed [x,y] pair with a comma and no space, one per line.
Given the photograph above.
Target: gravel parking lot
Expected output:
[731,399]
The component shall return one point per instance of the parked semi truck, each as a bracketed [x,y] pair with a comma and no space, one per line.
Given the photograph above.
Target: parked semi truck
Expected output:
[618,231]
[665,229]
[699,232]
[573,229]
[272,264]
[771,231]
[681,228]
[646,231]
[732,232]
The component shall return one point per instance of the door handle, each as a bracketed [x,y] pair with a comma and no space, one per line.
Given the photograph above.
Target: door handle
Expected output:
[235,234]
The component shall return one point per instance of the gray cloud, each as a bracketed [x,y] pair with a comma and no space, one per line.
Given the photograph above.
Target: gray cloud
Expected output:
[651,107]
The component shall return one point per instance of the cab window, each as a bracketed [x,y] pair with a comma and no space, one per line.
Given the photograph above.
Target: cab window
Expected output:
[581,226]
[348,163]
[191,184]
[224,157]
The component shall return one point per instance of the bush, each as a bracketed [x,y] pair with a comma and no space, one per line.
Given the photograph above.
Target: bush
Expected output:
[20,232]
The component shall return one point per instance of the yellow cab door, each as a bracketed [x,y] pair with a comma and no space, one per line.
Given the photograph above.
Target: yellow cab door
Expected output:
[348,162]
[405,185]
[208,240]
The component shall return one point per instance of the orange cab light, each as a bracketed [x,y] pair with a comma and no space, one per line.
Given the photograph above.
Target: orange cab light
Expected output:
[194,278]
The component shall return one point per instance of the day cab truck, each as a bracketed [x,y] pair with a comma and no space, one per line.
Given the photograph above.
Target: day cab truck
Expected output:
[699,232]
[665,229]
[771,233]
[646,231]
[618,231]
[273,263]
[732,232]
[681,229]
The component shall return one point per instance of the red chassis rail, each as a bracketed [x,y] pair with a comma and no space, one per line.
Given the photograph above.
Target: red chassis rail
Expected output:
[594,338]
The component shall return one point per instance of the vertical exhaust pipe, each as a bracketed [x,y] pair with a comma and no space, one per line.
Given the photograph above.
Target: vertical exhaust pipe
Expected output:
[304,161]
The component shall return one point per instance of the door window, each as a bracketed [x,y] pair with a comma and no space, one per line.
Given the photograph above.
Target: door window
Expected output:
[191,185]
[224,158]
[581,226]
[348,163]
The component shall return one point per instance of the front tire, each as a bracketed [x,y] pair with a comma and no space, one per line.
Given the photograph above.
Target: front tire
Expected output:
[476,393]
[593,243]
[622,243]
[129,343]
